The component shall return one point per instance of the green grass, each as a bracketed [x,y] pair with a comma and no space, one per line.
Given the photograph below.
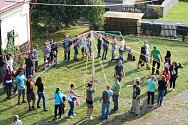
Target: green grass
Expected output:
[178,13]
[64,74]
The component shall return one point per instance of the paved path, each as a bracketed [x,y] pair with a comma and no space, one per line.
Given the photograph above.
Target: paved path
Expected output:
[173,112]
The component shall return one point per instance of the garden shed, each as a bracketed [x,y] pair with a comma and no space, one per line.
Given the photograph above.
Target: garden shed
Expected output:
[127,23]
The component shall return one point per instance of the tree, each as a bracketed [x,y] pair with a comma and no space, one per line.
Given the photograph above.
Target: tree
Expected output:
[53,17]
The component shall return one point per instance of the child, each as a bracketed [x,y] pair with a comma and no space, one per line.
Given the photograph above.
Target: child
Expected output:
[89,99]
[106,95]
[72,96]
[113,47]
[30,93]
[168,59]
[76,48]
[84,45]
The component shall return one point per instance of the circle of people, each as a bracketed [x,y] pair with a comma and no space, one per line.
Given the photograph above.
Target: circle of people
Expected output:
[24,76]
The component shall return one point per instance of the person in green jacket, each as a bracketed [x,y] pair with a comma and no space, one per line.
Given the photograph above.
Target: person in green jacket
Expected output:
[116,91]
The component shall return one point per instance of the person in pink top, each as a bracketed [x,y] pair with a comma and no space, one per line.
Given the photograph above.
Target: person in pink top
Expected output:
[167,75]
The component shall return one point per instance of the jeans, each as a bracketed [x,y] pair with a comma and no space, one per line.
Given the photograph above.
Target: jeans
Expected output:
[8,87]
[67,53]
[29,72]
[90,50]
[71,111]
[173,81]
[115,100]
[105,50]
[41,95]
[121,55]
[160,96]
[99,51]
[105,110]
[36,66]
[152,97]
[153,66]
[136,106]
[60,110]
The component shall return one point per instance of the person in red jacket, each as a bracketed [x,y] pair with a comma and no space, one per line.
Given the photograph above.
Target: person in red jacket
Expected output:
[167,75]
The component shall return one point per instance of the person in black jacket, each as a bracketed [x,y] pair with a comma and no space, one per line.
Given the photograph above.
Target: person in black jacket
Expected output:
[174,74]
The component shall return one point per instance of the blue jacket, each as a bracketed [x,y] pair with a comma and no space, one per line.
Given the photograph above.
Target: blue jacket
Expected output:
[57,96]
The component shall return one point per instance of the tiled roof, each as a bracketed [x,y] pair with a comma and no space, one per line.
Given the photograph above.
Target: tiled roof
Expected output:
[6,5]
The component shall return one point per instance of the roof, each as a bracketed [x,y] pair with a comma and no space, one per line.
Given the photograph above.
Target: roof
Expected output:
[123,15]
[6,5]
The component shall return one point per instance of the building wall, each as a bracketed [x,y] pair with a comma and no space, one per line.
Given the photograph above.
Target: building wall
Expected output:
[18,20]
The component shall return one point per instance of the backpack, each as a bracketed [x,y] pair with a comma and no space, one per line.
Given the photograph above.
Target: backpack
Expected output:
[106,96]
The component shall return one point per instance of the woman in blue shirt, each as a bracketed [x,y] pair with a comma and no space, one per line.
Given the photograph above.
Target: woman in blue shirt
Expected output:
[151,90]
[59,99]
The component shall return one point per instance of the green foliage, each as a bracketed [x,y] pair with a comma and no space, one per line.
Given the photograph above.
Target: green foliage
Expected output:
[54,17]
[11,47]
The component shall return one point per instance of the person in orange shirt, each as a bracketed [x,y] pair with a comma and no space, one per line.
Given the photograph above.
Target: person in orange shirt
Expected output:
[167,75]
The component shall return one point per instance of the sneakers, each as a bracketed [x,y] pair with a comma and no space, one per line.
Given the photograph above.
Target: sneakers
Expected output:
[70,116]
[90,118]
[38,107]
[173,89]
[45,110]
[19,103]
[33,107]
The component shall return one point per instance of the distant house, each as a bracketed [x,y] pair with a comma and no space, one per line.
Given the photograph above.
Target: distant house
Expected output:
[14,18]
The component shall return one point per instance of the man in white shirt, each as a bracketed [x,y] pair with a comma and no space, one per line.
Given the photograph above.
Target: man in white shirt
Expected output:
[121,48]
[83,45]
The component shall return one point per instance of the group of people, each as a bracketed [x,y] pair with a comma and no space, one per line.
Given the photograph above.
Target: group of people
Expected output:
[24,76]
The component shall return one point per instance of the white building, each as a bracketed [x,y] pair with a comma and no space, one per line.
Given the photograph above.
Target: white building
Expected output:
[14,17]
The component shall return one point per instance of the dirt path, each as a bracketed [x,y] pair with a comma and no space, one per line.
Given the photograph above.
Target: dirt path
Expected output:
[173,112]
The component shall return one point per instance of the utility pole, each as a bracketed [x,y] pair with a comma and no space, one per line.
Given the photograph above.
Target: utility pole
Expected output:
[93,61]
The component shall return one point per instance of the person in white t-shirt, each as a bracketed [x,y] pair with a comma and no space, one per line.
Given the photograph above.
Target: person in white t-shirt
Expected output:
[121,48]
[83,45]
[147,53]
[16,120]
[10,62]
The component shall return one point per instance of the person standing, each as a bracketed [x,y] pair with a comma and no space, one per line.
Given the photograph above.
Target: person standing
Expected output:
[76,41]
[58,102]
[72,96]
[105,47]
[89,99]
[156,57]
[29,65]
[114,42]
[147,54]
[142,59]
[119,71]
[30,93]
[35,52]
[20,81]
[174,74]
[99,45]
[40,92]
[89,44]
[67,47]
[151,90]
[46,51]
[116,92]
[162,84]
[8,82]
[167,75]
[121,48]
[105,99]
[83,45]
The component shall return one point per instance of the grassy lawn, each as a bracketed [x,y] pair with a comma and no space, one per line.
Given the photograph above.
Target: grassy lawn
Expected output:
[65,73]
[179,13]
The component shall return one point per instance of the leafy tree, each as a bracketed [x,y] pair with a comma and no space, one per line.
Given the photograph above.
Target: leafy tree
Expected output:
[51,18]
